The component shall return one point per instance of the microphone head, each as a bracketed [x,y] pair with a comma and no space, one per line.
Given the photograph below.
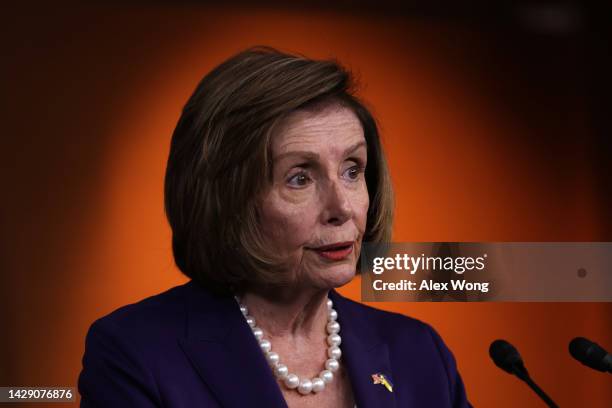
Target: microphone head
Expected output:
[588,353]
[506,357]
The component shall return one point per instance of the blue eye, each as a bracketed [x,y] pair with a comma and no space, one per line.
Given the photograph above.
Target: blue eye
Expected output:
[355,171]
[300,178]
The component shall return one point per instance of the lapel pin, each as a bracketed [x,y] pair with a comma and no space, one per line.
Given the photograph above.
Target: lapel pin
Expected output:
[379,378]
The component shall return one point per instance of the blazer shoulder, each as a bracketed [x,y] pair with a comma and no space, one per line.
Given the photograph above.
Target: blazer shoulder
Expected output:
[122,348]
[156,312]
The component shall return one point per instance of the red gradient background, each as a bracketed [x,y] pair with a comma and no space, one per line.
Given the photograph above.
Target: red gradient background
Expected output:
[489,137]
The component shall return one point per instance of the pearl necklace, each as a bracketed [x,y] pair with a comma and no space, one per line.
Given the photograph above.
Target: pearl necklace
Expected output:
[292,381]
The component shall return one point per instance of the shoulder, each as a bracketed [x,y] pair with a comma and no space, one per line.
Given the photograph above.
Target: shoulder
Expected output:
[157,307]
[158,317]
[120,349]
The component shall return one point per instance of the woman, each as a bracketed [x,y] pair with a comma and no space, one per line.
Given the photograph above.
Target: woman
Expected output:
[275,177]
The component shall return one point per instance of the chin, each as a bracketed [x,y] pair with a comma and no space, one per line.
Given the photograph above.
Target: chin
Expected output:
[340,276]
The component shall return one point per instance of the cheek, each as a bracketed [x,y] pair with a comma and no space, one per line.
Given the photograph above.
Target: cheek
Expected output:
[298,225]
[361,204]
[287,224]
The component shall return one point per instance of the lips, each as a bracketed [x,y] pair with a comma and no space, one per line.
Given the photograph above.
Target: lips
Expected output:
[335,252]
[335,247]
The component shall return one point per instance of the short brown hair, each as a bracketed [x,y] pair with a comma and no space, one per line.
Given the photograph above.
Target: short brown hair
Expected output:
[219,162]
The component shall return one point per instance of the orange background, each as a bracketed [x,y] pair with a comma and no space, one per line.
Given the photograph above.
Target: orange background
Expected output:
[489,137]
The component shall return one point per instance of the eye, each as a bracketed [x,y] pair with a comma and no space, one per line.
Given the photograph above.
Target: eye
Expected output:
[354,172]
[299,179]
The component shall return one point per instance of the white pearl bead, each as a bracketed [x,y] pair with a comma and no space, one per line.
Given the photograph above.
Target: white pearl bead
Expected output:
[332,315]
[329,303]
[318,384]
[281,371]
[333,327]
[292,381]
[334,339]
[273,358]
[258,333]
[305,386]
[251,321]
[327,376]
[265,345]
[332,365]
[334,352]
[244,310]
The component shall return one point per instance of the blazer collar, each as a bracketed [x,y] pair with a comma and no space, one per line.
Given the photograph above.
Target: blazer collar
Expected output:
[221,347]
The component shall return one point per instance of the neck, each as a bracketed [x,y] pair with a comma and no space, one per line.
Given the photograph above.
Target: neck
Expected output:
[288,313]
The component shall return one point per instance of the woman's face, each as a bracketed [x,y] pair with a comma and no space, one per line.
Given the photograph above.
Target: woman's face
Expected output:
[318,196]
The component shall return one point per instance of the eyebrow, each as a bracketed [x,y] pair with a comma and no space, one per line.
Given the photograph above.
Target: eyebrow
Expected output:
[314,156]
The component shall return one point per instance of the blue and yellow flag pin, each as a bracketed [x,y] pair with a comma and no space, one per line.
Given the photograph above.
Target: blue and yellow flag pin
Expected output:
[379,378]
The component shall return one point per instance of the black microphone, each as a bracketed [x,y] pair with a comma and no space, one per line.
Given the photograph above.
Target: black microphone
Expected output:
[591,354]
[507,357]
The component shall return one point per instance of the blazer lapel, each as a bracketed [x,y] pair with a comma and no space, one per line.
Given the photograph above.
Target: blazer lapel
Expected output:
[364,354]
[220,345]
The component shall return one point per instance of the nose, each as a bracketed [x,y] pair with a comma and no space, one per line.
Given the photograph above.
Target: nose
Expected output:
[338,208]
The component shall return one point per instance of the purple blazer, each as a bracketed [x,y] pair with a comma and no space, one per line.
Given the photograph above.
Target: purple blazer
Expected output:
[187,348]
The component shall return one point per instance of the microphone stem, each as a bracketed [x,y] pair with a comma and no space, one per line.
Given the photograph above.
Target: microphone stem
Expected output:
[540,392]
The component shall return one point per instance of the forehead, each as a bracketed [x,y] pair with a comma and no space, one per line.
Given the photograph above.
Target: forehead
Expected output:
[333,127]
